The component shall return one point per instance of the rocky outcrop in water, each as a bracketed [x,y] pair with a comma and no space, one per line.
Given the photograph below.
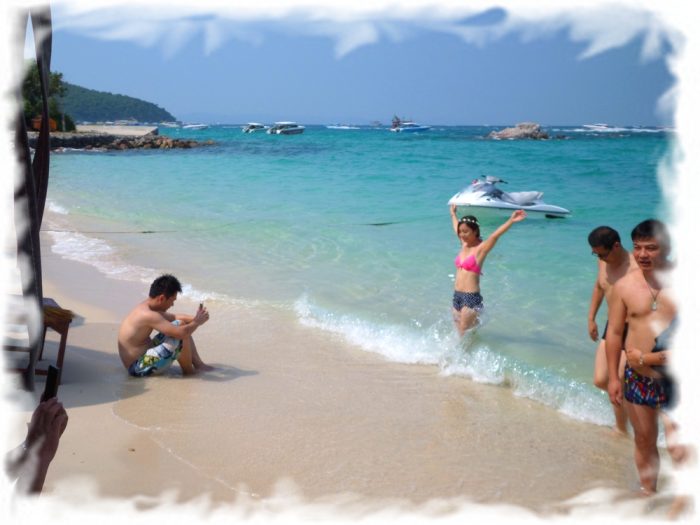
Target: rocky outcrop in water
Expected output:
[524,130]
[105,141]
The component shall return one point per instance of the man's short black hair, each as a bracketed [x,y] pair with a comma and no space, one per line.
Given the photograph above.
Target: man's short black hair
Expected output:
[603,236]
[653,229]
[166,284]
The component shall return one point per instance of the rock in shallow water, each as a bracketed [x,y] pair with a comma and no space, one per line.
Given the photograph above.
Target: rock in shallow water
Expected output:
[524,130]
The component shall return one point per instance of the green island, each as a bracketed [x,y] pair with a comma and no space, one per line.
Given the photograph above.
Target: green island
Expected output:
[121,122]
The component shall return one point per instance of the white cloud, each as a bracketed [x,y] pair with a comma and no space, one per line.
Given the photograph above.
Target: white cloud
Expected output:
[353,25]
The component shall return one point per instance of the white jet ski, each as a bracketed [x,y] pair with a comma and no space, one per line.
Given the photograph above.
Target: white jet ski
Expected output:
[484,195]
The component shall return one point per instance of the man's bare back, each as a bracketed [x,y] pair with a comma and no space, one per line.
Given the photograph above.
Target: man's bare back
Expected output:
[135,332]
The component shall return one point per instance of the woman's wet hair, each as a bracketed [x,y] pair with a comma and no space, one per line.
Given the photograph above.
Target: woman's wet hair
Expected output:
[603,237]
[472,222]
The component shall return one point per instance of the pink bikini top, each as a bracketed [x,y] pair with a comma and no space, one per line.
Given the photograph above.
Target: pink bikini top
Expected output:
[468,264]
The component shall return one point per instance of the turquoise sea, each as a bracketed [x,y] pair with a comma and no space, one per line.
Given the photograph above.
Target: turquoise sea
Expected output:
[349,231]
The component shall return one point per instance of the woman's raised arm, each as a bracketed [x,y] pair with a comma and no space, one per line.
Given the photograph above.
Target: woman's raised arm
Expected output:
[488,244]
[455,220]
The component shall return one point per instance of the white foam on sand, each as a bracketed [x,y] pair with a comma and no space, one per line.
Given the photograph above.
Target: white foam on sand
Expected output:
[438,345]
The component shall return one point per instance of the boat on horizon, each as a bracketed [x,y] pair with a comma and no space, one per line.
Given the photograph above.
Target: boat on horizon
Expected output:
[285,128]
[599,126]
[406,126]
[195,126]
[341,126]
[252,127]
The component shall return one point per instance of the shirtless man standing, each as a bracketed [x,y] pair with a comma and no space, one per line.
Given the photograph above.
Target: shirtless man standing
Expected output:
[614,262]
[643,299]
[143,356]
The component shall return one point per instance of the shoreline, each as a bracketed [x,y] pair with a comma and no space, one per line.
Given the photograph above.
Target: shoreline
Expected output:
[304,413]
[104,138]
[83,238]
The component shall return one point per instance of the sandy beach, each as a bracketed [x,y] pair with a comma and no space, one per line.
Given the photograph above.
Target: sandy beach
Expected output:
[293,411]
[122,131]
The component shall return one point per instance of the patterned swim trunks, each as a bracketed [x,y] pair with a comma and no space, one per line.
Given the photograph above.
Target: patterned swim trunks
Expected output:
[159,357]
[649,391]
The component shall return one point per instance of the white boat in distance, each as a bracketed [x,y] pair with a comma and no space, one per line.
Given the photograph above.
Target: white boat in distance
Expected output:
[195,126]
[252,127]
[600,126]
[286,128]
[406,126]
[485,195]
[341,126]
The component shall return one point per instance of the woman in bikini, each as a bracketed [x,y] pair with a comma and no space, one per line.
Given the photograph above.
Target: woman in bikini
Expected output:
[467,301]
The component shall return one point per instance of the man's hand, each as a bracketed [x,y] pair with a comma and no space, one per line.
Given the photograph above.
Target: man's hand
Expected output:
[615,390]
[48,422]
[202,316]
[633,357]
[593,330]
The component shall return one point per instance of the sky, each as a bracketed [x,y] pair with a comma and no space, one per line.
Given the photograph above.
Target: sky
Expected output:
[434,62]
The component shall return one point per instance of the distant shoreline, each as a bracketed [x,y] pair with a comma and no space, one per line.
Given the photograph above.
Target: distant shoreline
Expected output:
[120,131]
[115,138]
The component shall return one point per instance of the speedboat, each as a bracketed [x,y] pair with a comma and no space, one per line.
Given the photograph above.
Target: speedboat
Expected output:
[406,126]
[286,128]
[409,127]
[600,126]
[252,127]
[485,195]
[192,127]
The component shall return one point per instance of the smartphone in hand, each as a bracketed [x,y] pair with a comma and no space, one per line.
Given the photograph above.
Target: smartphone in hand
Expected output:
[51,387]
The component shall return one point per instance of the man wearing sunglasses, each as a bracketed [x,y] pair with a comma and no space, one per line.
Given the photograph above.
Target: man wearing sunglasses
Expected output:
[614,262]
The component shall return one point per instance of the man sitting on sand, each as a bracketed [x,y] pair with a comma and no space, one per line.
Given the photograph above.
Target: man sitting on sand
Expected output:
[143,356]
[614,262]
[642,299]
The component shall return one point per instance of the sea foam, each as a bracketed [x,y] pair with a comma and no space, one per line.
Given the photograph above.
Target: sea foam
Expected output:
[56,208]
[438,345]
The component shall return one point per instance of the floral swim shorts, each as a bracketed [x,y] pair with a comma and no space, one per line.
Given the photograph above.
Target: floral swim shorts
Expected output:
[159,357]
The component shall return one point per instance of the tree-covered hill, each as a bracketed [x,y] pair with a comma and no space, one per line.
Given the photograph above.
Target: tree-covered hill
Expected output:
[98,106]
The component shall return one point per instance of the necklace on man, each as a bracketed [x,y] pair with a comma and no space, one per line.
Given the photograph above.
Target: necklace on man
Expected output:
[653,297]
